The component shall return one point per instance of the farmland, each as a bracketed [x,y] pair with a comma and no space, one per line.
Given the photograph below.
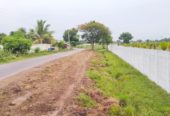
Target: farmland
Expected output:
[150,45]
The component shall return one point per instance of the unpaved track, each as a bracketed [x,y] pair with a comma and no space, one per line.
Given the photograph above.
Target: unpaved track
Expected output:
[44,90]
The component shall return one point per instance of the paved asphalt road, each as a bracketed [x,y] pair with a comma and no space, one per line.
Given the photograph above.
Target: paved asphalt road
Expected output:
[10,69]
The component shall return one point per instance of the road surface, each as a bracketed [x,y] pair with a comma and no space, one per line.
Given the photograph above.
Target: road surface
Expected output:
[10,69]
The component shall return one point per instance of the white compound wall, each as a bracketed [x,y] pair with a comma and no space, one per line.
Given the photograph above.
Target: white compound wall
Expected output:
[153,63]
[42,47]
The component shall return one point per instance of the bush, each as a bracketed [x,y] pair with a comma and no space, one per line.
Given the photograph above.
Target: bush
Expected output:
[168,46]
[16,45]
[5,56]
[37,50]
[61,44]
[164,45]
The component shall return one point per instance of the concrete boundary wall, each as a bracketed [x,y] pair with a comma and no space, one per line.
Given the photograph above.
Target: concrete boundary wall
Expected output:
[42,47]
[153,63]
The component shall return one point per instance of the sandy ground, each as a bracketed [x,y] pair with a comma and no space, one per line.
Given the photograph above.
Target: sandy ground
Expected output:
[44,90]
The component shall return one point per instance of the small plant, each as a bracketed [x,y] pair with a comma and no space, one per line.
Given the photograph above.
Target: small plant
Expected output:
[37,50]
[115,111]
[86,101]
[5,56]
[163,45]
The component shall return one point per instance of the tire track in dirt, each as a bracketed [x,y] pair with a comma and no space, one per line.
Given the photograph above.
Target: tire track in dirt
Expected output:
[79,74]
[50,87]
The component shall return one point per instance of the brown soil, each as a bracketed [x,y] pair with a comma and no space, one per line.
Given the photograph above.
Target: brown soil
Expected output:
[74,107]
[45,90]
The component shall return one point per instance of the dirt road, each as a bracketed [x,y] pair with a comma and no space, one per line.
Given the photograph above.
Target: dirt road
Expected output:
[44,90]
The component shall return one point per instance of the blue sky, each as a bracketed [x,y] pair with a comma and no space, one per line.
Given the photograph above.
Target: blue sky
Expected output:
[145,19]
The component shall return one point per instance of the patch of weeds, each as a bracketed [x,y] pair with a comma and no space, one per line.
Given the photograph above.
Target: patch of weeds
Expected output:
[137,95]
[86,101]
[116,111]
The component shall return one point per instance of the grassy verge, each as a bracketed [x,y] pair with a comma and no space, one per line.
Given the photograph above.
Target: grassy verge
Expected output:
[137,95]
[12,58]
[88,46]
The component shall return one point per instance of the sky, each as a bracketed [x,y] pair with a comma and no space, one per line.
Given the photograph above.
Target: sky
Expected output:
[145,19]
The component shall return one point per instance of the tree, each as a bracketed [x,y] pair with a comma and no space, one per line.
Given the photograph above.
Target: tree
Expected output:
[32,35]
[106,41]
[42,30]
[126,37]
[16,44]
[49,39]
[73,36]
[61,44]
[2,35]
[94,32]
[23,30]
[106,37]
[20,32]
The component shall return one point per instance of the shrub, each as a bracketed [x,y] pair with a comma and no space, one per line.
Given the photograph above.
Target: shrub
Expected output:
[16,45]
[86,101]
[5,56]
[61,44]
[168,46]
[164,45]
[37,50]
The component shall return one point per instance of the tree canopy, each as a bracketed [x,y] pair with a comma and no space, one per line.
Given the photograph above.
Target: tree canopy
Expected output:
[2,35]
[16,44]
[71,34]
[41,33]
[95,32]
[126,37]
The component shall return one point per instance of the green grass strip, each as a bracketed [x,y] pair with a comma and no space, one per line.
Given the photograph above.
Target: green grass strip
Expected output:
[137,94]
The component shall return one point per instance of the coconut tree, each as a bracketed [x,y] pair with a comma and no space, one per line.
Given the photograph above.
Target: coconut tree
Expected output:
[32,35]
[42,30]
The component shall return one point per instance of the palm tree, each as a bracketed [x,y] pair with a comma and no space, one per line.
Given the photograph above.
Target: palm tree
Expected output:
[32,35]
[42,29]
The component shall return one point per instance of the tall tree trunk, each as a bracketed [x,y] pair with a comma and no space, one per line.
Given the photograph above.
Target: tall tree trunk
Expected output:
[92,44]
